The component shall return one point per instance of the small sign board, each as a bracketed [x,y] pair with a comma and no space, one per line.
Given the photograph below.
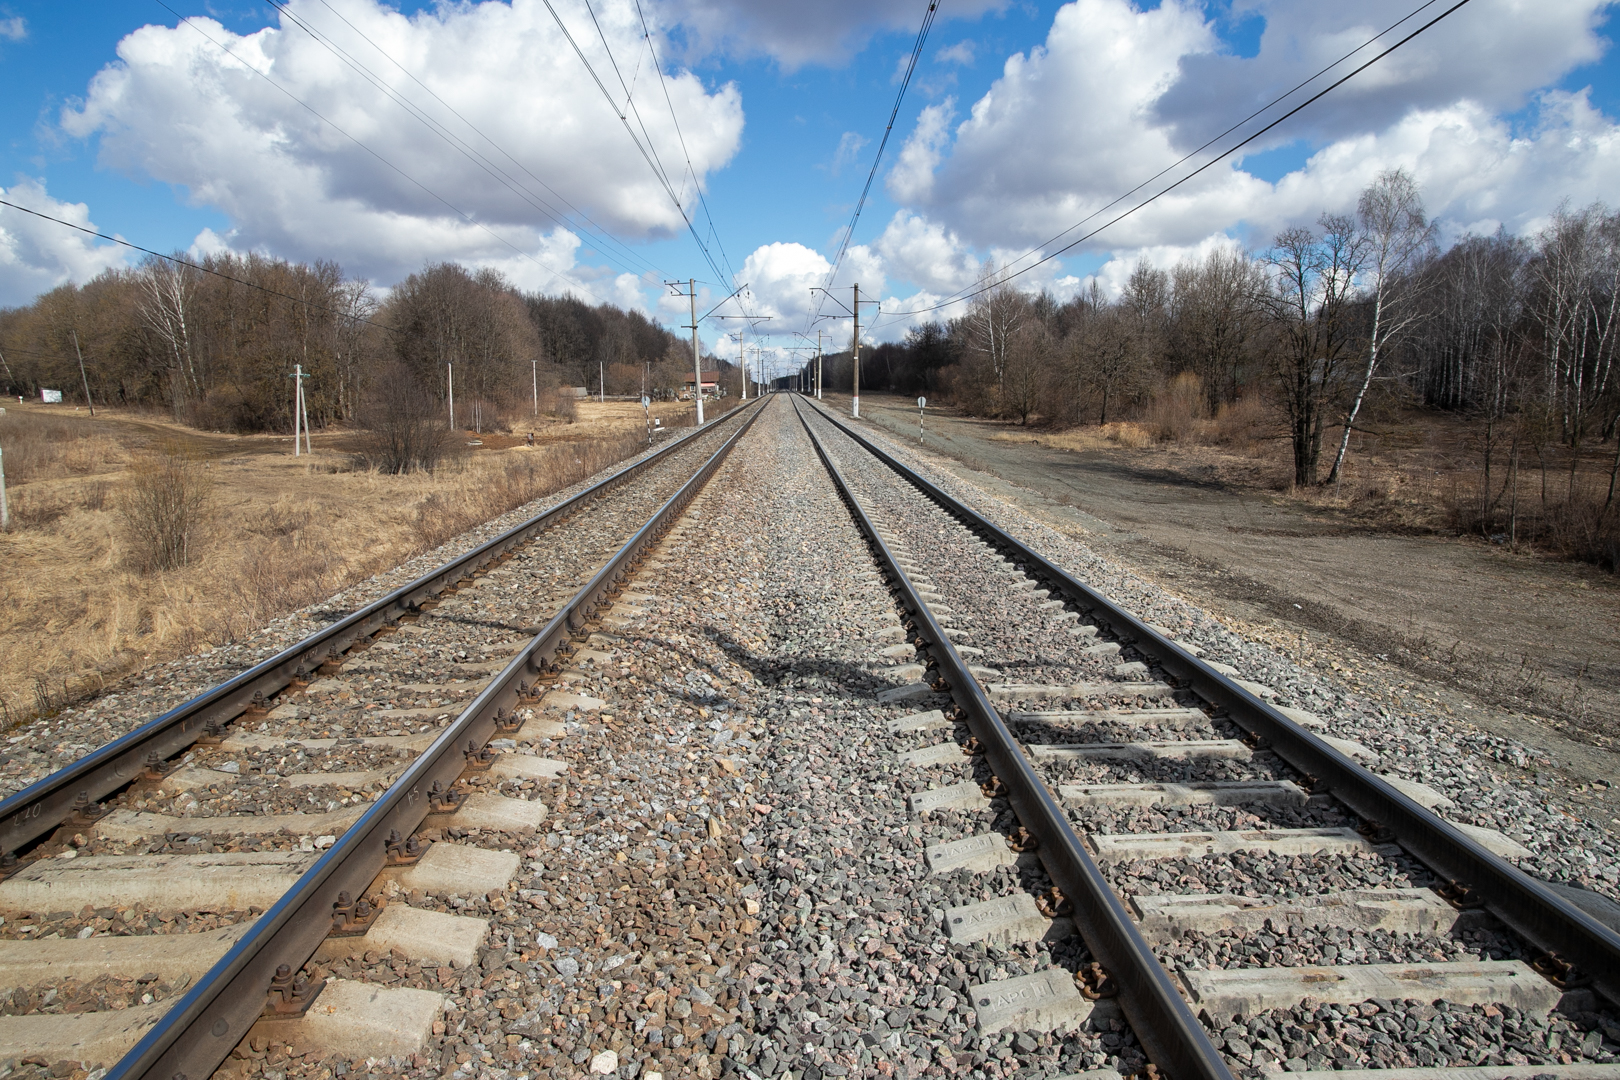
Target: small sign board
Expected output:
[922,402]
[645,401]
[50,397]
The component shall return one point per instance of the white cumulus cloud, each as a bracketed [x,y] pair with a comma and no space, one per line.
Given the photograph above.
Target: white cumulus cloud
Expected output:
[37,255]
[376,188]
[1116,93]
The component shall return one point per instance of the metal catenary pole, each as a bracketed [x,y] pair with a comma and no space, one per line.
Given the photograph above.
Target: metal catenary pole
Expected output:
[697,360]
[450,386]
[5,511]
[855,349]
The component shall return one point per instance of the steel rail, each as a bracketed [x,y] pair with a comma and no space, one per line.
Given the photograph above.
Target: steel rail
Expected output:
[196,1035]
[1529,907]
[1163,1022]
[47,803]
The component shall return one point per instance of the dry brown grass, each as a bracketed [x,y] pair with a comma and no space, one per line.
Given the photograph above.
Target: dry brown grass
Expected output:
[76,612]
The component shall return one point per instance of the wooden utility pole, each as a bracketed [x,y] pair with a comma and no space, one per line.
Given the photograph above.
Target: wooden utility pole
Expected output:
[82,375]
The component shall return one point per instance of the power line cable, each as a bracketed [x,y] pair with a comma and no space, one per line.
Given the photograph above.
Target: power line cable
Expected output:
[318,115]
[692,171]
[455,141]
[1212,161]
[600,234]
[623,119]
[1279,99]
[183,262]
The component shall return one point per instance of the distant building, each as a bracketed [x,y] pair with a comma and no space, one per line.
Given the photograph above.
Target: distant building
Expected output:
[711,382]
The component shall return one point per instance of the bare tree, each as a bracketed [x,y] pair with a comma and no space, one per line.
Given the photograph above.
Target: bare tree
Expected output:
[993,319]
[1397,235]
[1308,298]
[1576,301]
[1106,363]
[1028,368]
[1214,319]
[166,306]
[405,428]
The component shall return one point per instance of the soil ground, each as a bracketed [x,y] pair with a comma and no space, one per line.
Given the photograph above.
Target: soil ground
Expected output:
[1526,647]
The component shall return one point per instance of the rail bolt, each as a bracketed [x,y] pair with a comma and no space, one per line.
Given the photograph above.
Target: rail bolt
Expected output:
[443,801]
[85,811]
[290,996]
[1053,904]
[479,759]
[401,851]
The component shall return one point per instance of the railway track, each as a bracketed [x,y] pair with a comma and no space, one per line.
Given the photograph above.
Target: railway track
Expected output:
[304,777]
[1222,861]
[750,767]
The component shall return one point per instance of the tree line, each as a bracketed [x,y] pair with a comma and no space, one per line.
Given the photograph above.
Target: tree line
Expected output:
[1512,337]
[214,345]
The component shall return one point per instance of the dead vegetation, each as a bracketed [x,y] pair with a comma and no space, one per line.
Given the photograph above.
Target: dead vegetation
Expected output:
[125,549]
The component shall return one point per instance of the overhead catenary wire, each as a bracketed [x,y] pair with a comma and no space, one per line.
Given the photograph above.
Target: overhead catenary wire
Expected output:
[1002,279]
[407,176]
[877,159]
[184,262]
[703,200]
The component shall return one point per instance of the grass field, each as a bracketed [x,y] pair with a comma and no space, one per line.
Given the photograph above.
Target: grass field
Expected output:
[275,532]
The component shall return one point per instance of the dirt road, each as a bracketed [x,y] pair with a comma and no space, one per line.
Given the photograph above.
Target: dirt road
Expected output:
[1498,634]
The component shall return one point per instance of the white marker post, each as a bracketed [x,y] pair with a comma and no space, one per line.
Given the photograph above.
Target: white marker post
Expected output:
[922,403]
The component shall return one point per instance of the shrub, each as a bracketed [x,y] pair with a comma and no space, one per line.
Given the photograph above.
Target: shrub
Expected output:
[1130,435]
[406,430]
[1177,408]
[166,509]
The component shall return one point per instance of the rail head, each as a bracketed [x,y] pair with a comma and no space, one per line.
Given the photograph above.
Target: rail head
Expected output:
[1162,1020]
[214,1016]
[1535,912]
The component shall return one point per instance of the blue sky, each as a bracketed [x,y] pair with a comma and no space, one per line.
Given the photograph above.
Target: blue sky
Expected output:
[1022,119]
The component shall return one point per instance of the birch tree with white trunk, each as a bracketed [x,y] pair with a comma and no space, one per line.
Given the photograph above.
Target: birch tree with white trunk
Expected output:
[1398,235]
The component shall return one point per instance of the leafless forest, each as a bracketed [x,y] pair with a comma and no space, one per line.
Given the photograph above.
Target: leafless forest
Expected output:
[215,349]
[1510,338]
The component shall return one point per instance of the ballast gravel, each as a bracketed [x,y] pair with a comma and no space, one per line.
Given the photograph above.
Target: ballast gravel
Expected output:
[1022,637]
